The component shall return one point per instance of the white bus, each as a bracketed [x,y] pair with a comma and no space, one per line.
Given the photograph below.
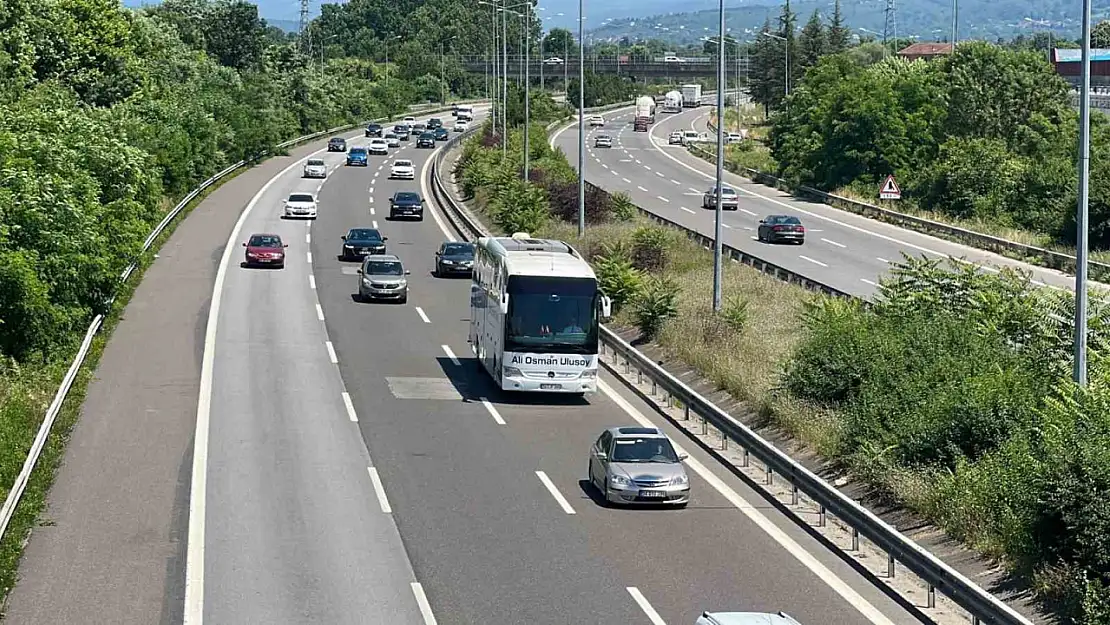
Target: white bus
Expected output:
[535,311]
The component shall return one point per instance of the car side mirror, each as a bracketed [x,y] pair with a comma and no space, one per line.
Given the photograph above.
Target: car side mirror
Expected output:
[601,455]
[439,253]
[606,307]
[244,244]
[762,221]
[504,307]
[408,272]
[385,238]
[344,237]
[360,272]
[683,457]
[286,245]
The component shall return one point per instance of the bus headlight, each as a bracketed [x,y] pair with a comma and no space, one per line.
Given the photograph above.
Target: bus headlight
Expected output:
[512,372]
[589,374]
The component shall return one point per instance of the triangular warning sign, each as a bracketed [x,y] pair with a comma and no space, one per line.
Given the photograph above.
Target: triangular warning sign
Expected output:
[890,190]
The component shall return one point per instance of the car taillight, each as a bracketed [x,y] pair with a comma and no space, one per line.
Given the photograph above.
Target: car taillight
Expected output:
[799,229]
[779,228]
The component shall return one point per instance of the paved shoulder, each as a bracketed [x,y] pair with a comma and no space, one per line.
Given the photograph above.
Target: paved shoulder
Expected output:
[111,547]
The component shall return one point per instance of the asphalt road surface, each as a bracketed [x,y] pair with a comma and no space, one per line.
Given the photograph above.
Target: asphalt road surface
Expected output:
[487,491]
[842,250]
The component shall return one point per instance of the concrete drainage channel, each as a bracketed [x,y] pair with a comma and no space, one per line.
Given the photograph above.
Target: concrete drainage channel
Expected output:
[919,580]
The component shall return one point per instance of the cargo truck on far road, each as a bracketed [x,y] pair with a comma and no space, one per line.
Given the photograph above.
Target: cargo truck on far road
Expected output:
[672,102]
[691,95]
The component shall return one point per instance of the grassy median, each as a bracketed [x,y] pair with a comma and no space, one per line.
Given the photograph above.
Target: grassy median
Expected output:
[950,397]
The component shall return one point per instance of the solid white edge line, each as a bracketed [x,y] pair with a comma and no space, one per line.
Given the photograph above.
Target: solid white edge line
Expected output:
[839,586]
[319,312]
[193,611]
[493,411]
[379,490]
[331,353]
[350,406]
[642,601]
[422,601]
[420,311]
[554,490]
[451,355]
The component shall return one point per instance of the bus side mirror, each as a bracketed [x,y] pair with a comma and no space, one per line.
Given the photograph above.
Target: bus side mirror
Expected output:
[606,307]
[504,304]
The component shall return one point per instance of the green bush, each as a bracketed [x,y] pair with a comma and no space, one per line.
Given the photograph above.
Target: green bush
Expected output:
[623,208]
[735,313]
[649,248]
[617,277]
[654,305]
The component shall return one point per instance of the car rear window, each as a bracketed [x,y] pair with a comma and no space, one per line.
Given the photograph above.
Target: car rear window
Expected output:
[790,220]
[315,162]
[301,197]
[403,164]
[384,268]
[264,240]
[358,150]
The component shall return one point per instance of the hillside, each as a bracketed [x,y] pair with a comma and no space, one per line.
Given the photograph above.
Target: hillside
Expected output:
[925,19]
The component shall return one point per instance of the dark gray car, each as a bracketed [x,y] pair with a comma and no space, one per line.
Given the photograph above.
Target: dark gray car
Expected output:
[775,228]
[454,258]
[638,465]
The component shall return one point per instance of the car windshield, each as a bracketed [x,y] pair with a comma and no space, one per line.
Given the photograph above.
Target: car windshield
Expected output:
[643,450]
[403,164]
[459,249]
[406,196]
[427,135]
[390,136]
[384,268]
[300,197]
[364,234]
[264,240]
[315,162]
[358,150]
[552,315]
[338,141]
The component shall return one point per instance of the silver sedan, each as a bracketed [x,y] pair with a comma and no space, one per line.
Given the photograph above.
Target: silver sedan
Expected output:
[638,465]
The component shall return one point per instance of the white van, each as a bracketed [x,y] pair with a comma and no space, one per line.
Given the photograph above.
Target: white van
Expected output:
[464,112]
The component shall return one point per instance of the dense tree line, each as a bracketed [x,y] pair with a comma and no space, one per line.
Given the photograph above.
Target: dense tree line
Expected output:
[108,114]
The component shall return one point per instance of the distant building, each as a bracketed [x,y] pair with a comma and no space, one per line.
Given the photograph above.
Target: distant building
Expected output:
[925,50]
[1069,63]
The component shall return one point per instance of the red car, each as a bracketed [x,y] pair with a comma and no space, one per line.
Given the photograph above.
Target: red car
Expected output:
[265,250]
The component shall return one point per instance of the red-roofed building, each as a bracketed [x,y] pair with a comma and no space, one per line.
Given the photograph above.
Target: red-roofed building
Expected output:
[1069,63]
[925,50]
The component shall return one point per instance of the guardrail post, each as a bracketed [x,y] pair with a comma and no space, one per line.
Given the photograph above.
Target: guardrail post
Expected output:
[931,597]
[770,477]
[890,565]
[745,461]
[686,412]
[626,367]
[793,494]
[724,440]
[639,376]
[822,519]
[855,539]
[654,387]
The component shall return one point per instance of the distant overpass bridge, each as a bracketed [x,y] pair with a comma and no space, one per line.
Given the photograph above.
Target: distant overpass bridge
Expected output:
[690,67]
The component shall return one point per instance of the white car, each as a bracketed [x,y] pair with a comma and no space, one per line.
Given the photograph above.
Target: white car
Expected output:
[392,140]
[675,138]
[553,61]
[402,170]
[597,120]
[409,121]
[315,168]
[460,126]
[300,205]
[378,146]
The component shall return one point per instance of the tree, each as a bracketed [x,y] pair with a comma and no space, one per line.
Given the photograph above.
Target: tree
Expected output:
[560,41]
[788,23]
[234,33]
[1100,35]
[812,42]
[763,75]
[839,34]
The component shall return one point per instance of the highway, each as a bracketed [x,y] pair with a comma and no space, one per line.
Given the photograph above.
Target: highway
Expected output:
[843,250]
[486,491]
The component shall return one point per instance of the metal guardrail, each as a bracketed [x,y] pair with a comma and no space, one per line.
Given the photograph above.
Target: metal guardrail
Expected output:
[981,605]
[33,454]
[1029,253]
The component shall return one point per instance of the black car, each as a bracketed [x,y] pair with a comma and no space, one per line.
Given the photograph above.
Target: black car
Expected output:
[454,258]
[406,204]
[426,140]
[337,144]
[440,133]
[402,132]
[434,123]
[374,130]
[419,129]
[775,228]
[361,242]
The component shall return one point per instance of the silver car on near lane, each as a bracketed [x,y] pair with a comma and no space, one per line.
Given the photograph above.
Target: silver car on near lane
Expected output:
[638,465]
[382,276]
[745,618]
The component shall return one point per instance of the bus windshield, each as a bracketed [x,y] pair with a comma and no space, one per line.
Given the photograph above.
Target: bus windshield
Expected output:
[552,315]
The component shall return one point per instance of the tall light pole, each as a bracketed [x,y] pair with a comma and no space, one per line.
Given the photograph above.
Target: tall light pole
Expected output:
[721,86]
[526,18]
[786,47]
[955,22]
[582,124]
[1081,216]
[500,73]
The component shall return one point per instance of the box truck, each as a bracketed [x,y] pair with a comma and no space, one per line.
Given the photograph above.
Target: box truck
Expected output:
[645,108]
[691,95]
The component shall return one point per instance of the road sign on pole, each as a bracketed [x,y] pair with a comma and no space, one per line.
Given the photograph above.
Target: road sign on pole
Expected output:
[890,190]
